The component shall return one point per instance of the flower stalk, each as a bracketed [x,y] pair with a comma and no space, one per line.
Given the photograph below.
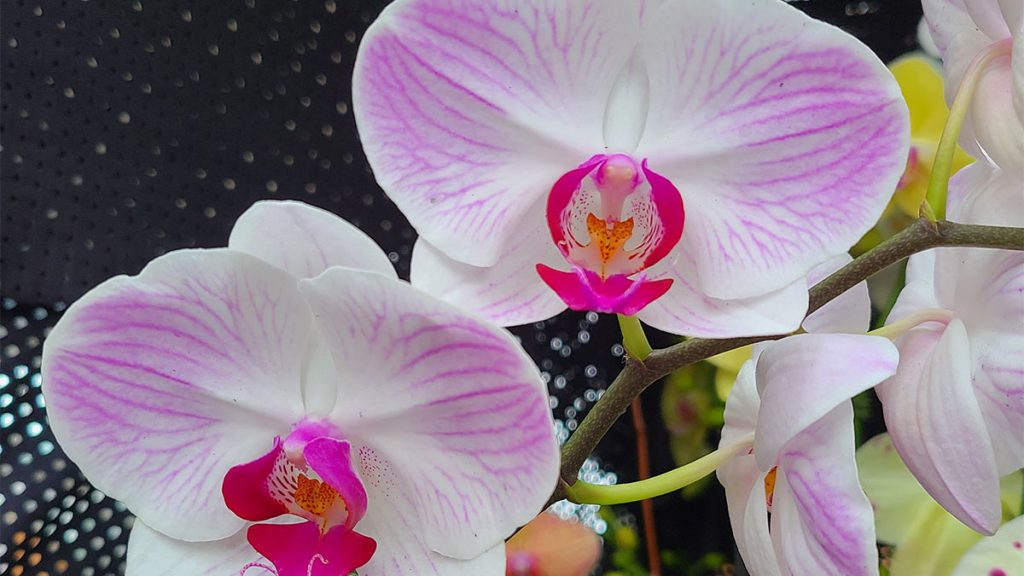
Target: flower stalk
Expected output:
[586,493]
[942,167]
[634,340]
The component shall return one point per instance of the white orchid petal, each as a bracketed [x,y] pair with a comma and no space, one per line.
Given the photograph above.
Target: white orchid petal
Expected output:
[784,136]
[468,111]
[509,293]
[748,514]
[948,19]
[686,310]
[822,522]
[626,112]
[305,240]
[937,425]
[402,546]
[804,377]
[850,312]
[466,422]
[157,384]
[151,553]
[988,17]
[985,194]
[999,385]
[1000,555]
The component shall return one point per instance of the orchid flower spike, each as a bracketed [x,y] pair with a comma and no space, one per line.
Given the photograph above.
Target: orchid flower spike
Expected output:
[955,408]
[794,396]
[966,33]
[547,150]
[288,405]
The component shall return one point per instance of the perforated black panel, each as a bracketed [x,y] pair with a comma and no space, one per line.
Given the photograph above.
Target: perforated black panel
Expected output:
[131,128]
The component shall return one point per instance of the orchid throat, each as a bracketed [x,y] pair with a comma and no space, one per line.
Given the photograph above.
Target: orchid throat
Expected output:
[612,218]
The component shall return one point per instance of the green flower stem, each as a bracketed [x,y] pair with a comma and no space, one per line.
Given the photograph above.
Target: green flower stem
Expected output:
[633,338]
[942,167]
[636,376]
[896,329]
[585,493]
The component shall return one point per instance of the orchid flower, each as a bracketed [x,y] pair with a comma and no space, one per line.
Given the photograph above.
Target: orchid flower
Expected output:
[551,546]
[985,38]
[1000,555]
[288,404]
[955,408]
[795,393]
[927,539]
[570,137]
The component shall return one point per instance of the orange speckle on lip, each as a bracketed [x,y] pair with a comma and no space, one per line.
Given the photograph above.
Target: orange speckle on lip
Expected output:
[610,236]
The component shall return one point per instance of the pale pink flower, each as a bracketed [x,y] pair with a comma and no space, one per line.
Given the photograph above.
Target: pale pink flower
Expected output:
[288,402]
[546,150]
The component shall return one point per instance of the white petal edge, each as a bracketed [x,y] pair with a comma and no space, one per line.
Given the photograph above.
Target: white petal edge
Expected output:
[937,426]
[305,240]
[151,553]
[804,377]
[509,293]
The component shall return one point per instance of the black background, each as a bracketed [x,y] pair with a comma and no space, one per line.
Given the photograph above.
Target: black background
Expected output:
[133,128]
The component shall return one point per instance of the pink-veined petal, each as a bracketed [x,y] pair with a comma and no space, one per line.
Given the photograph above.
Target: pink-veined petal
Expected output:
[804,377]
[301,550]
[151,553]
[1000,555]
[999,386]
[850,312]
[686,310]
[305,240]
[469,110]
[937,426]
[332,460]
[467,424]
[402,546]
[784,135]
[822,522]
[157,384]
[508,293]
